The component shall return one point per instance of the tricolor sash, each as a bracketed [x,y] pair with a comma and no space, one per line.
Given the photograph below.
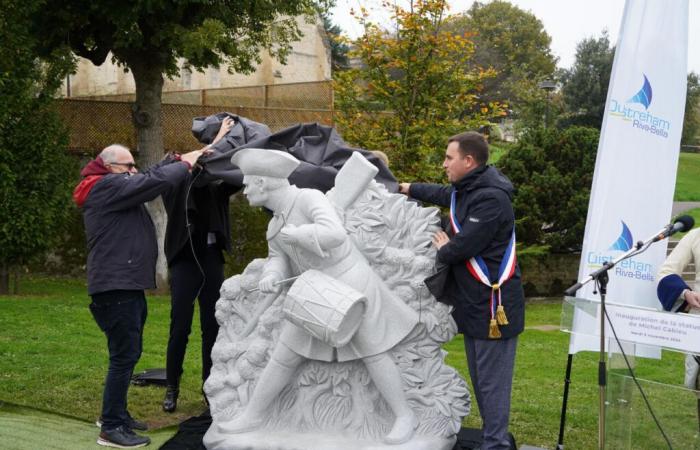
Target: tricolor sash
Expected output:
[478,269]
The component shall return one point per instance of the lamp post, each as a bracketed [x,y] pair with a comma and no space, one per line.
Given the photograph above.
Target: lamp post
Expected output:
[548,86]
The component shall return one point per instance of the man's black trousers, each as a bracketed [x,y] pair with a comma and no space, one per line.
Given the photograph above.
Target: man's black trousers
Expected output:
[121,316]
[186,279]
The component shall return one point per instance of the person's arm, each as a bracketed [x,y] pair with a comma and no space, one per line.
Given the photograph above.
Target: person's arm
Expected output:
[131,190]
[478,229]
[225,127]
[673,292]
[436,194]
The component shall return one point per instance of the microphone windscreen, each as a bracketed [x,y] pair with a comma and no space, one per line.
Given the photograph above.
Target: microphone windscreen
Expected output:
[687,221]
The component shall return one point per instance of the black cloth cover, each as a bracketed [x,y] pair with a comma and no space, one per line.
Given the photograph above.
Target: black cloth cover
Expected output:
[320,149]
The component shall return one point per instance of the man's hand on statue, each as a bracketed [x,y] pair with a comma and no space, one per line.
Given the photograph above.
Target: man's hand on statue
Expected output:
[404,188]
[440,238]
[267,284]
[692,297]
[288,233]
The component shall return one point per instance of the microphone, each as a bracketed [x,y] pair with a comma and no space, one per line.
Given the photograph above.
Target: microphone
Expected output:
[682,224]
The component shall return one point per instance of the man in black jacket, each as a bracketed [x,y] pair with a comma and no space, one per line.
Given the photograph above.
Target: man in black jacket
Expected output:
[122,253]
[483,283]
[197,233]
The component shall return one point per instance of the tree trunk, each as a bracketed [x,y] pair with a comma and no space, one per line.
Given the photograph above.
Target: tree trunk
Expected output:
[15,281]
[4,279]
[148,120]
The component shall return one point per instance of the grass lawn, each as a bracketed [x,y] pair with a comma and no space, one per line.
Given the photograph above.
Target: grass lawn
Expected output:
[53,358]
[688,178]
[497,150]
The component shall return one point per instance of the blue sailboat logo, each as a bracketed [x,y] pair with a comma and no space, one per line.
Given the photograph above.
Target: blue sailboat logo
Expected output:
[644,95]
[624,242]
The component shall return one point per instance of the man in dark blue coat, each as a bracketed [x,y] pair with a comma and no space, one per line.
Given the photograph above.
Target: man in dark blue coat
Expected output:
[483,282]
[122,253]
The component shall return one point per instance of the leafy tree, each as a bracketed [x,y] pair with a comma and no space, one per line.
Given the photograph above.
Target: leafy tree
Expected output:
[585,85]
[552,170]
[35,173]
[412,91]
[538,107]
[337,42]
[150,38]
[691,120]
[511,41]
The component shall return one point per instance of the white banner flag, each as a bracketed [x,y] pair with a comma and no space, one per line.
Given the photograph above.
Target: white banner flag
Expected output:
[635,170]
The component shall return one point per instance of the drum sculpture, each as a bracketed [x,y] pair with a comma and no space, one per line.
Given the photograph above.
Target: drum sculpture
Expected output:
[327,308]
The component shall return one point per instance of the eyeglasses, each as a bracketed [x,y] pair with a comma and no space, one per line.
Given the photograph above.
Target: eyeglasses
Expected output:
[128,165]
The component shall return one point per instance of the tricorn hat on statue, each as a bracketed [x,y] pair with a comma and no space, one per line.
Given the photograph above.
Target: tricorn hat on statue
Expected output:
[265,163]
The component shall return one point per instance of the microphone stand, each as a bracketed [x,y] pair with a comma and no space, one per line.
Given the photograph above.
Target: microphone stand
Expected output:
[601,279]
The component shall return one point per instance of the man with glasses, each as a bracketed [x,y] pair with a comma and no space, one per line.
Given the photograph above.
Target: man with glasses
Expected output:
[122,253]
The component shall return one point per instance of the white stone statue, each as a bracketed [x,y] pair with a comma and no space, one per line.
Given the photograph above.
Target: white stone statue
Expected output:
[349,355]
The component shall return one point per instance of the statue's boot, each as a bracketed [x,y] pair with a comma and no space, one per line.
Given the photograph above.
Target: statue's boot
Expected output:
[274,378]
[387,379]
[403,430]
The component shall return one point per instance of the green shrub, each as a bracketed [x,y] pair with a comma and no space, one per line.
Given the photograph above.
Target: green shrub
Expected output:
[248,228]
[552,171]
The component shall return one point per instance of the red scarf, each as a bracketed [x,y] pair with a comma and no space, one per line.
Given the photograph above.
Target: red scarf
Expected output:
[92,173]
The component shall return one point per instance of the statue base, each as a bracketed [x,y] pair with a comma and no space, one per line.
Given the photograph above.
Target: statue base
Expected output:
[288,440]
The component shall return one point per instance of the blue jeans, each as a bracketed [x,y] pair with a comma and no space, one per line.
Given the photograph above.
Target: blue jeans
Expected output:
[121,316]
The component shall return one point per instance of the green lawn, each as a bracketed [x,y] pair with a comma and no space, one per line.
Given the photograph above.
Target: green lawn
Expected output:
[688,178]
[53,358]
[497,150]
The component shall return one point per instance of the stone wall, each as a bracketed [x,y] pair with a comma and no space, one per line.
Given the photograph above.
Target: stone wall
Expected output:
[309,60]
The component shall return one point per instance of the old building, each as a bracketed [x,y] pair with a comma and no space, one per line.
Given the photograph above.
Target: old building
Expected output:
[308,61]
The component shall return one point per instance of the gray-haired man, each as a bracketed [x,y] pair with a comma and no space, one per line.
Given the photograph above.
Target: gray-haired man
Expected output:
[122,253]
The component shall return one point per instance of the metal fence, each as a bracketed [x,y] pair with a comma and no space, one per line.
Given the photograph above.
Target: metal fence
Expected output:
[308,95]
[95,124]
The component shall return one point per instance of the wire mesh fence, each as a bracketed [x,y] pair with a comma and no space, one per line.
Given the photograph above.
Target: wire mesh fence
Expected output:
[95,124]
[307,95]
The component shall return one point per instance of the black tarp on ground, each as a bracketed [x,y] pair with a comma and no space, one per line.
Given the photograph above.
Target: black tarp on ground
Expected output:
[320,149]
[189,434]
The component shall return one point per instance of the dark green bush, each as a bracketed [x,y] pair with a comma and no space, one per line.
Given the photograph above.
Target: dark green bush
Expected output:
[552,171]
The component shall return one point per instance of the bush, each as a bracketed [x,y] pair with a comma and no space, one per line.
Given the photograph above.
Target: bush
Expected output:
[552,171]
[248,228]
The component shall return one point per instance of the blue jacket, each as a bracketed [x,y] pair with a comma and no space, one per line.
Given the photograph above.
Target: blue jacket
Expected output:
[485,213]
[121,238]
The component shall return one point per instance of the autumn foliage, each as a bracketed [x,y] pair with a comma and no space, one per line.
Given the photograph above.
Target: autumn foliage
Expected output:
[410,89]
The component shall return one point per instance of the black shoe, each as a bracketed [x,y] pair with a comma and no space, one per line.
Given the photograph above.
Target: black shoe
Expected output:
[170,400]
[122,437]
[132,423]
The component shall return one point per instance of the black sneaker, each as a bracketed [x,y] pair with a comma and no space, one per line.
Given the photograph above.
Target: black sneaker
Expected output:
[122,437]
[133,424]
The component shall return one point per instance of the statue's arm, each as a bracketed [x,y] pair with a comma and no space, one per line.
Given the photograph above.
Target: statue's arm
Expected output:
[324,230]
[277,265]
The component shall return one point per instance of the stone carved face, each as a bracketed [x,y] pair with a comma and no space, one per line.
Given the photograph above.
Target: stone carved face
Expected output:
[255,190]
